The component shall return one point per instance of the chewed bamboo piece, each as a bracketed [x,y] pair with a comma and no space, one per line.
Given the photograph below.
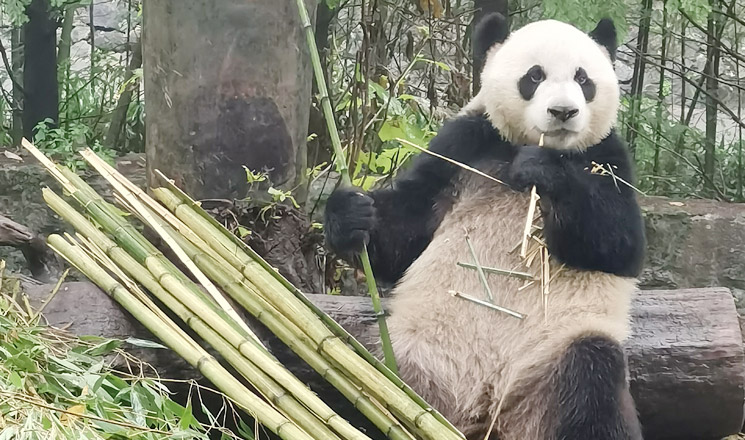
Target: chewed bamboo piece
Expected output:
[532,245]
[486,304]
[479,269]
[449,160]
[607,170]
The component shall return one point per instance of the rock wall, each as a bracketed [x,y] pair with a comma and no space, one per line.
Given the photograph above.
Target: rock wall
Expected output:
[695,243]
[691,243]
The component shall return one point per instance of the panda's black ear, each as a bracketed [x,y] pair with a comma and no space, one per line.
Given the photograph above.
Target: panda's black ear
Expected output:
[605,35]
[490,30]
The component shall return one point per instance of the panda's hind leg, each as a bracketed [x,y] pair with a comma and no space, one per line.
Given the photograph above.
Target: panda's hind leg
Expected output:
[593,399]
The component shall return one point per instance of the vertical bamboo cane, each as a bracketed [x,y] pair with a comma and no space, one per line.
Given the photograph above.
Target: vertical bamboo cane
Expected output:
[341,164]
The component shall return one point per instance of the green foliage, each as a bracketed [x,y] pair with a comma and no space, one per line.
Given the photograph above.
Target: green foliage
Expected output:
[265,196]
[92,96]
[585,14]
[696,9]
[64,143]
[332,4]
[55,387]
[14,11]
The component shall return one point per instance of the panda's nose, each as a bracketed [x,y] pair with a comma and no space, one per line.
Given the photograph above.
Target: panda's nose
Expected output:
[563,113]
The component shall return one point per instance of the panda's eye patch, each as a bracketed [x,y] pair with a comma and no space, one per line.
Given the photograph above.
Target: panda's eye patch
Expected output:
[536,74]
[581,76]
[530,81]
[587,85]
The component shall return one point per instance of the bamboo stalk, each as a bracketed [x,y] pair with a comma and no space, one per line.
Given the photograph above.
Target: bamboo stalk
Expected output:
[487,304]
[130,193]
[529,222]
[496,271]
[341,164]
[267,387]
[181,343]
[228,245]
[209,325]
[133,242]
[479,269]
[154,265]
[249,295]
[449,160]
[289,305]
[112,220]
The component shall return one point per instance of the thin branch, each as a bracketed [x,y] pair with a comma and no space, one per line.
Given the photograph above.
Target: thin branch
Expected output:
[9,69]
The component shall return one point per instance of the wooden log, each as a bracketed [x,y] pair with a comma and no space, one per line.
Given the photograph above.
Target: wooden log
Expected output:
[42,262]
[685,354]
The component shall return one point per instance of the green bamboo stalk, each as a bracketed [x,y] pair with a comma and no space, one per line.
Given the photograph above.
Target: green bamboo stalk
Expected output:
[224,243]
[210,326]
[341,164]
[130,239]
[250,297]
[420,417]
[181,343]
[290,307]
[138,207]
[118,228]
[123,231]
[496,271]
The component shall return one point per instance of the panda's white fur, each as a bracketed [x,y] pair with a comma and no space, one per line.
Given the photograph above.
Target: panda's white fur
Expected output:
[466,359]
[559,48]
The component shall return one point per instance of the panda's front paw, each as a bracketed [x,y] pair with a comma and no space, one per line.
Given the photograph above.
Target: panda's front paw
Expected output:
[349,217]
[531,166]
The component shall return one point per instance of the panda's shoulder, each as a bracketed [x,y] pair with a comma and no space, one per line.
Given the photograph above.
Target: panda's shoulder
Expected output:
[471,131]
[611,149]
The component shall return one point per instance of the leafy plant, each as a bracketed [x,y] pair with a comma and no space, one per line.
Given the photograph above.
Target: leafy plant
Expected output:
[54,386]
[586,13]
[63,143]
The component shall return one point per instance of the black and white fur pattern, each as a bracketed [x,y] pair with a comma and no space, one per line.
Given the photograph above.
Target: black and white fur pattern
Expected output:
[558,377]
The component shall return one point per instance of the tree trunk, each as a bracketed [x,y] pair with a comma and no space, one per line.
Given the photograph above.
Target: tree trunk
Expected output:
[637,80]
[16,49]
[65,40]
[119,116]
[711,70]
[482,8]
[685,353]
[236,96]
[40,67]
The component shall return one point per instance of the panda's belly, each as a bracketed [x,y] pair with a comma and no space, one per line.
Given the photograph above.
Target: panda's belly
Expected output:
[463,346]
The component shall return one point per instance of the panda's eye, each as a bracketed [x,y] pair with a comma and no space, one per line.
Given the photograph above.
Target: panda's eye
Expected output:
[536,74]
[581,76]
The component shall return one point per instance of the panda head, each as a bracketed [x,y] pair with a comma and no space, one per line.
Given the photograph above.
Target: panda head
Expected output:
[548,78]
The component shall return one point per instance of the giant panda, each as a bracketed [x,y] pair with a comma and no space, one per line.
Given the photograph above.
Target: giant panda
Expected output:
[560,372]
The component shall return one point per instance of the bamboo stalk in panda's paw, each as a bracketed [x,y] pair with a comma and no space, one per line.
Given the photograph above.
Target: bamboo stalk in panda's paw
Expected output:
[531,215]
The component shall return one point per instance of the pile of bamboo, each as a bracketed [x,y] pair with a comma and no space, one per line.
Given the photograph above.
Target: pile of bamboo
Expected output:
[110,250]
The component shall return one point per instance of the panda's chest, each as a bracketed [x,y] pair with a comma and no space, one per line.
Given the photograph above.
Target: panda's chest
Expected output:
[493,218]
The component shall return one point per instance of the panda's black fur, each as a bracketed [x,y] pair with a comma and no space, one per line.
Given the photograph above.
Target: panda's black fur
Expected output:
[591,223]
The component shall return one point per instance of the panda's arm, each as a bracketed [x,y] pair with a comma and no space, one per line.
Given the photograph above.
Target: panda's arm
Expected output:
[400,221]
[591,221]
